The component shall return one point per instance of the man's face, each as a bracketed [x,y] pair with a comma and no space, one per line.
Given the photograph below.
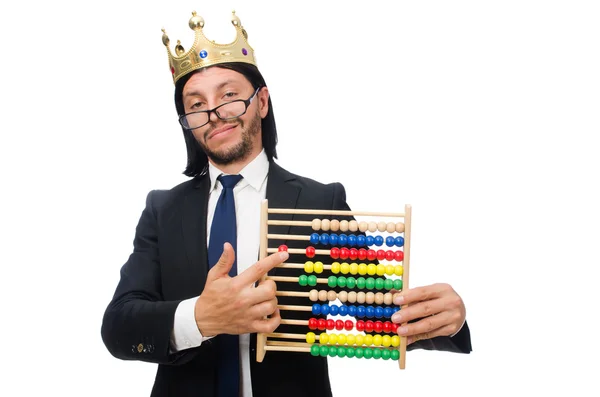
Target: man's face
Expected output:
[226,142]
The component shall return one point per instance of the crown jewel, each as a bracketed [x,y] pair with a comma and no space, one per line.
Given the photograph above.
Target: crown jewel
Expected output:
[205,52]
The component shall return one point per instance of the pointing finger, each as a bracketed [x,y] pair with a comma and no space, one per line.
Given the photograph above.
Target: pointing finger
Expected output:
[260,268]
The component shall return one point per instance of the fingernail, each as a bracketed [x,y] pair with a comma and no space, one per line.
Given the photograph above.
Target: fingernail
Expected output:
[396,317]
[283,255]
[398,300]
[402,330]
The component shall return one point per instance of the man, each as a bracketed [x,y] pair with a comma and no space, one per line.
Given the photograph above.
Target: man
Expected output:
[189,298]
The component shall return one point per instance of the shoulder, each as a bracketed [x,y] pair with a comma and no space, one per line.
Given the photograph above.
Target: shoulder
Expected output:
[158,199]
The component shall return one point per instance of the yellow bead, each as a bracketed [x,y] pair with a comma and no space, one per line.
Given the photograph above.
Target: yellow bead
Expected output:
[341,339]
[351,339]
[360,340]
[362,269]
[399,270]
[386,341]
[323,338]
[377,340]
[335,267]
[318,267]
[380,269]
[345,268]
[395,341]
[333,339]
[353,268]
[368,340]
[371,269]
[308,267]
[310,337]
[389,270]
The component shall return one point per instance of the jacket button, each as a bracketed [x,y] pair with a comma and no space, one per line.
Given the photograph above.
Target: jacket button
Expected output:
[140,348]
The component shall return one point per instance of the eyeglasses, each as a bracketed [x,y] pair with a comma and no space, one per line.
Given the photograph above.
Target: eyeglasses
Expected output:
[225,111]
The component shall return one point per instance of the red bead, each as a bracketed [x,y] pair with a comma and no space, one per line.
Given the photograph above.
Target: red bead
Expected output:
[378,326]
[371,255]
[380,255]
[369,326]
[344,252]
[310,252]
[283,247]
[335,253]
[362,254]
[395,328]
[322,324]
[399,256]
[360,325]
[330,324]
[387,327]
[353,253]
[339,325]
[389,255]
[348,325]
[313,323]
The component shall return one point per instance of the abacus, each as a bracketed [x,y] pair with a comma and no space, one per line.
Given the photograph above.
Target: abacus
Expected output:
[347,282]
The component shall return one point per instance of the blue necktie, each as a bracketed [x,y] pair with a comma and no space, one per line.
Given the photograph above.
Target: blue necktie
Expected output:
[224,230]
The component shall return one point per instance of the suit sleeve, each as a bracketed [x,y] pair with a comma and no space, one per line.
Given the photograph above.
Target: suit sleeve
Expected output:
[138,322]
[459,343]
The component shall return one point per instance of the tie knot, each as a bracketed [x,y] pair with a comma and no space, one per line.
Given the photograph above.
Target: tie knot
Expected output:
[229,181]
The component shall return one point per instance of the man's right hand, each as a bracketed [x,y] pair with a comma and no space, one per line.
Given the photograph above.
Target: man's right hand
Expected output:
[232,305]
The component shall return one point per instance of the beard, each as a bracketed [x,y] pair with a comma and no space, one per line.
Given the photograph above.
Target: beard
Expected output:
[239,151]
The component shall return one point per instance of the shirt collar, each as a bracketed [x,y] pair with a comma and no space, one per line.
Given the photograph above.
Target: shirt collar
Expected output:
[254,173]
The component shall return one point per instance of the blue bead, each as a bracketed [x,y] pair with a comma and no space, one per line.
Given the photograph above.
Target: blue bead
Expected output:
[378,312]
[394,310]
[360,241]
[370,311]
[352,240]
[324,239]
[316,309]
[389,241]
[379,241]
[314,238]
[399,241]
[342,239]
[370,240]
[203,54]
[352,311]
[333,239]
[325,309]
[343,310]
[387,312]
[333,310]
[360,311]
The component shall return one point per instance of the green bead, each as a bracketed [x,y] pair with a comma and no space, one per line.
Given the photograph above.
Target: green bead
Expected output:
[376,354]
[312,280]
[341,351]
[368,353]
[385,354]
[370,283]
[379,284]
[323,351]
[360,283]
[332,281]
[398,284]
[314,350]
[303,280]
[332,351]
[350,352]
[359,353]
[388,284]
[341,281]
[395,355]
[350,282]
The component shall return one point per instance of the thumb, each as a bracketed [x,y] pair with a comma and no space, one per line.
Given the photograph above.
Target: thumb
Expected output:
[223,265]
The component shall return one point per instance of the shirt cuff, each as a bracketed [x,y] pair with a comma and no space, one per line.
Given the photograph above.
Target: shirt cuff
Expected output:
[185,334]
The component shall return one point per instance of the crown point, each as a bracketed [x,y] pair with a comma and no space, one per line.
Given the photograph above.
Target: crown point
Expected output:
[165,38]
[179,48]
[235,20]
[196,22]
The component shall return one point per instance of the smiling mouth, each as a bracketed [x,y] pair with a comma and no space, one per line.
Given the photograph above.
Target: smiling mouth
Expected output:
[221,130]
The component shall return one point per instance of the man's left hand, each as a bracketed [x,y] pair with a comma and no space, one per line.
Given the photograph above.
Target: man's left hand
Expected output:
[440,309]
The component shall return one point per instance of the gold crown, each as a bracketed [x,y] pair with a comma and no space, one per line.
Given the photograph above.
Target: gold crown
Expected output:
[205,52]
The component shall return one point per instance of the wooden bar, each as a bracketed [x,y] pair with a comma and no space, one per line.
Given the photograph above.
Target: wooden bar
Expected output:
[288,349]
[288,237]
[286,279]
[289,223]
[405,285]
[297,294]
[261,338]
[299,251]
[294,322]
[294,344]
[299,266]
[295,308]
[297,211]
[289,336]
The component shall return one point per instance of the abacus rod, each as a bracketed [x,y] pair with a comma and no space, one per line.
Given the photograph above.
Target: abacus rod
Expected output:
[293,293]
[286,279]
[289,223]
[288,237]
[299,266]
[295,308]
[281,343]
[288,349]
[293,322]
[405,285]
[289,336]
[261,338]
[299,251]
[297,211]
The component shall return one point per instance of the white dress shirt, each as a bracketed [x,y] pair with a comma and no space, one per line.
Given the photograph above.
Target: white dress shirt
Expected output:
[248,193]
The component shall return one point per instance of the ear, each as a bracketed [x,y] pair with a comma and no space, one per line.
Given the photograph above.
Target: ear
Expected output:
[263,102]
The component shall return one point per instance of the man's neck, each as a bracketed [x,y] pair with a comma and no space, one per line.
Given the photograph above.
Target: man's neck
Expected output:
[236,167]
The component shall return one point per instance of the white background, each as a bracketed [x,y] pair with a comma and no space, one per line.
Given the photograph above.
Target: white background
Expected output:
[483,115]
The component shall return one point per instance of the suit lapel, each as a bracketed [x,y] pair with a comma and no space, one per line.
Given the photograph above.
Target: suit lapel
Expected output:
[282,192]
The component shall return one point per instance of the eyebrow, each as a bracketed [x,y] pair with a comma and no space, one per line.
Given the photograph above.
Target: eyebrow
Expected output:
[196,93]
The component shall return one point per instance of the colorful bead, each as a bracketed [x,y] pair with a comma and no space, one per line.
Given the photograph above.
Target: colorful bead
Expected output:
[362,269]
[341,339]
[360,326]
[314,238]
[310,337]
[399,256]
[309,266]
[341,351]
[378,241]
[348,325]
[350,352]
[352,311]
[361,241]
[395,355]
[353,268]
[368,326]
[352,240]
[378,325]
[323,338]
[314,350]
[362,254]
[335,267]
[389,241]
[350,282]
[339,325]
[353,254]
[386,354]
[359,352]
[330,324]
[323,351]
[333,310]
[398,284]
[324,310]
[332,339]
[371,255]
[369,241]
[344,253]
[333,239]
[368,340]
[325,224]
[360,311]
[321,324]
[371,269]
[376,354]
[334,225]
[312,323]
[380,270]
[316,309]
[377,340]
[360,283]
[335,253]
[389,255]
[380,255]
[312,280]
[395,341]
[310,252]
[344,268]
[343,310]
[399,270]
[386,327]
[351,339]
[332,281]
[368,353]
[342,239]
[379,284]
[316,224]
[303,280]
[324,239]
[318,267]
[370,283]
[386,341]
[389,270]
[387,312]
[399,241]
[388,284]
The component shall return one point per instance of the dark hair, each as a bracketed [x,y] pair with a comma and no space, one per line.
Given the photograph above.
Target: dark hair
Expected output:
[197,161]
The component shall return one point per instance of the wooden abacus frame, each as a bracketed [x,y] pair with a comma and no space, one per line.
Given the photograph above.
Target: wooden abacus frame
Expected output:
[263,344]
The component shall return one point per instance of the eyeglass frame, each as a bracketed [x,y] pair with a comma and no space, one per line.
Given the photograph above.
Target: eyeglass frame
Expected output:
[247,103]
